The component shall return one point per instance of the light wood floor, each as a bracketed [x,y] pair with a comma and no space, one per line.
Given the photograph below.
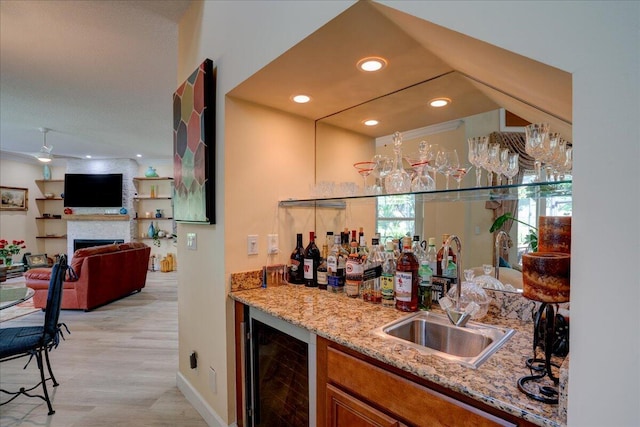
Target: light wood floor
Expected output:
[117,368]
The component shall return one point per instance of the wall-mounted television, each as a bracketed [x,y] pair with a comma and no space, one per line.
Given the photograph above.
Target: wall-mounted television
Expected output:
[82,190]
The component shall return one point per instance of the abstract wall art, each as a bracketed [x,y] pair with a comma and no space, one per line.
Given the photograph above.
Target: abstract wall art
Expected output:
[194,146]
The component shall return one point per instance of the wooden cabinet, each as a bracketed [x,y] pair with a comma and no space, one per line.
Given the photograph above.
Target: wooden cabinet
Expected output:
[355,390]
[345,410]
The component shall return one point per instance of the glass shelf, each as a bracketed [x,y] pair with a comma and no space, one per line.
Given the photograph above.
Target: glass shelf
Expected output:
[534,190]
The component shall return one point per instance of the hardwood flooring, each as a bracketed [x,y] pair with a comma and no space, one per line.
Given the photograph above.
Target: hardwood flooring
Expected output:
[117,368]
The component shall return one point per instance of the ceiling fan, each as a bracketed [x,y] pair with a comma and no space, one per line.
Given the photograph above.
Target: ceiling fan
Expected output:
[44,155]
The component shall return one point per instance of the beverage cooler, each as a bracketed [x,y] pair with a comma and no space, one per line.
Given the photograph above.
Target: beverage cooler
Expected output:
[280,372]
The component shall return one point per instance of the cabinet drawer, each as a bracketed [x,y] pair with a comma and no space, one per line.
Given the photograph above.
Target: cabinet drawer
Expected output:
[405,399]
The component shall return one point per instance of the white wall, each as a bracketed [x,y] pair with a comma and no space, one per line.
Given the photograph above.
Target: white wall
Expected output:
[595,41]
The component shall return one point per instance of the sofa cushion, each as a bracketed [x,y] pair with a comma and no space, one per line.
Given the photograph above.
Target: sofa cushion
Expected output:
[81,254]
[42,273]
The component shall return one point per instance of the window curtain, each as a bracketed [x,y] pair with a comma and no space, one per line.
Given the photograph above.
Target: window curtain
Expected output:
[515,142]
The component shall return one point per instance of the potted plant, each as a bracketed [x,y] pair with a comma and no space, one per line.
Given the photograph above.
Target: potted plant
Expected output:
[531,239]
[8,250]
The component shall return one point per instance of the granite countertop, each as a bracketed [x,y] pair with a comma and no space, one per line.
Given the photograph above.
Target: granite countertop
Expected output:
[350,322]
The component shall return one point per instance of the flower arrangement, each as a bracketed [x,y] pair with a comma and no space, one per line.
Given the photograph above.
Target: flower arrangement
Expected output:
[7,250]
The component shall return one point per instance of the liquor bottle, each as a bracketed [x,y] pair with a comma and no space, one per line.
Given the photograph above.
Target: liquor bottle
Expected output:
[322,269]
[442,256]
[363,250]
[432,255]
[329,239]
[311,262]
[296,269]
[335,266]
[424,290]
[407,279]
[417,248]
[451,270]
[372,273]
[388,274]
[354,272]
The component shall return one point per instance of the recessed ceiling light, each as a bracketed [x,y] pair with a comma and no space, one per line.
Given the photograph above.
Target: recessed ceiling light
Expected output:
[439,102]
[372,63]
[301,99]
[138,155]
[371,122]
[88,156]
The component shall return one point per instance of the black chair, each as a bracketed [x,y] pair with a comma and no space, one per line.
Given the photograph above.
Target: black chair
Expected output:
[34,341]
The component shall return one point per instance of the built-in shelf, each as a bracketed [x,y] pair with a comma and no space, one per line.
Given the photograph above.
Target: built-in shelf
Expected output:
[155,178]
[48,198]
[153,219]
[49,217]
[534,190]
[96,217]
[152,198]
[64,236]
[43,181]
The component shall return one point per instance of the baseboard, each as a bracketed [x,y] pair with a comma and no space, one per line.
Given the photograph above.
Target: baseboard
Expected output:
[191,394]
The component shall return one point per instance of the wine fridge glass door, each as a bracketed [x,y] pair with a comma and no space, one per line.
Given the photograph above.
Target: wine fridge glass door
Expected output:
[282,373]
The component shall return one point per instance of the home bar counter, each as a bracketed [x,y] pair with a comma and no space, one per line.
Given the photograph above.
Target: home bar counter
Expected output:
[349,322]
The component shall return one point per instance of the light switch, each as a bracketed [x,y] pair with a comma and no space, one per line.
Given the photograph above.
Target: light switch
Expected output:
[252,244]
[192,241]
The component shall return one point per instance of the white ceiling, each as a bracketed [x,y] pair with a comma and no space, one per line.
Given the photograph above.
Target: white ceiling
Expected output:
[99,74]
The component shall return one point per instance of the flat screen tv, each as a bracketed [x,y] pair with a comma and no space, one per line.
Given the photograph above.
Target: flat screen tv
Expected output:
[82,190]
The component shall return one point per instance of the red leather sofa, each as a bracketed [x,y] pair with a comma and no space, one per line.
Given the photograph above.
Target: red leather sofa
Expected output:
[104,274]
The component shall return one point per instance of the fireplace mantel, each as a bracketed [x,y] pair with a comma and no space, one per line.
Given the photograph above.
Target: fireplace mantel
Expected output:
[96,217]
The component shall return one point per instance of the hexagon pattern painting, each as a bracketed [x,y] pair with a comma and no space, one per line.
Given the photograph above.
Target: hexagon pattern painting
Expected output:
[194,146]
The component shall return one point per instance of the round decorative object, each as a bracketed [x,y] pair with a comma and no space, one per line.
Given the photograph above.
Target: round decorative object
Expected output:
[151,172]
[68,211]
[158,213]
[49,195]
[546,276]
[161,234]
[123,211]
[554,234]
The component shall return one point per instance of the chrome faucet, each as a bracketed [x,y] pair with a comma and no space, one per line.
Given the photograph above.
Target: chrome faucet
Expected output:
[500,239]
[445,260]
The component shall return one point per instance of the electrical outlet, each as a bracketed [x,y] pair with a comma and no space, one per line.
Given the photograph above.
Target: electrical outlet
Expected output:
[192,241]
[273,246]
[252,244]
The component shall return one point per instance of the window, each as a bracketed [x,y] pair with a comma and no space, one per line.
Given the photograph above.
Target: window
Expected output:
[396,216]
[530,209]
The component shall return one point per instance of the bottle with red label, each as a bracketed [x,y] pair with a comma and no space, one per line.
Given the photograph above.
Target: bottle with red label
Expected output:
[354,272]
[407,279]
[311,262]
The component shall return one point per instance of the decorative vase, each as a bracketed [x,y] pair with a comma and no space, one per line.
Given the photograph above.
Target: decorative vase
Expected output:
[123,211]
[8,261]
[46,172]
[158,213]
[152,231]
[151,172]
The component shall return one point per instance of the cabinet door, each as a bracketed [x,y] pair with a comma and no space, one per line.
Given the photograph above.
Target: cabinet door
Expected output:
[345,410]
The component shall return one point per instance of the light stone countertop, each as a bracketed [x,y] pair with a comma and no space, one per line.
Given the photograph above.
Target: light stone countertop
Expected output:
[350,322]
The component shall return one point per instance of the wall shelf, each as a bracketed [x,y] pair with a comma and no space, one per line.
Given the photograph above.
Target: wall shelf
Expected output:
[64,236]
[164,218]
[534,190]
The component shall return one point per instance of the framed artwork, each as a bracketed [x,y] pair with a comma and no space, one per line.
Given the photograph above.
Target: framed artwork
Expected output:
[509,122]
[194,146]
[14,199]
[39,260]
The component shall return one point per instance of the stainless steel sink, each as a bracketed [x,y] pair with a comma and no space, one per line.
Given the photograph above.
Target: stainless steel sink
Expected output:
[432,333]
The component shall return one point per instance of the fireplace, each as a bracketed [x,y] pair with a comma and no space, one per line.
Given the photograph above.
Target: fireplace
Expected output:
[87,243]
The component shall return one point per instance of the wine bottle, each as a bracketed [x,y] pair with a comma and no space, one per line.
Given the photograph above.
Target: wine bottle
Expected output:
[311,262]
[335,266]
[407,279]
[296,261]
[322,269]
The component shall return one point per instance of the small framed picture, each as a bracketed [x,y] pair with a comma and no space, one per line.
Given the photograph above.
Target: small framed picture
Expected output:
[38,260]
[14,199]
